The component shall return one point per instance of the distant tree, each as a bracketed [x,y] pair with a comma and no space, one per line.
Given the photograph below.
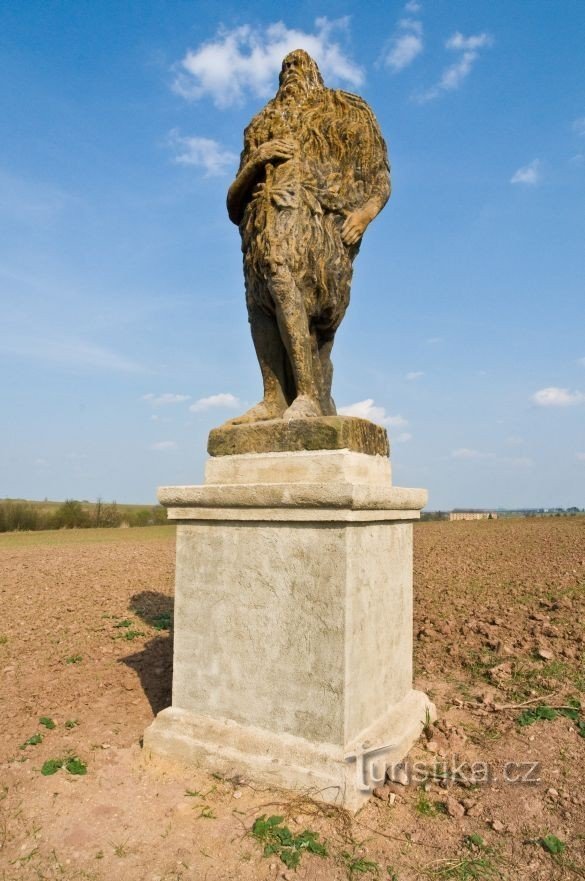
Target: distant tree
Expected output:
[19,516]
[142,517]
[159,515]
[71,515]
[110,515]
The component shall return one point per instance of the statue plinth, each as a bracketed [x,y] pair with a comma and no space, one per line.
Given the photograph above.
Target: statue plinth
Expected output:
[293,622]
[318,433]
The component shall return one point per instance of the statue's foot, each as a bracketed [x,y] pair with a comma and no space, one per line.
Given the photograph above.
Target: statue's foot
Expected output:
[302,407]
[330,409]
[261,412]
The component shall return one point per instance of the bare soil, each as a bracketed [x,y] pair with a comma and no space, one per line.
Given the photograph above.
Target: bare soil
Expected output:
[84,642]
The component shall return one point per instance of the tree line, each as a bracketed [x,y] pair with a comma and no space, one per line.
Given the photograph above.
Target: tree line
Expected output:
[72,514]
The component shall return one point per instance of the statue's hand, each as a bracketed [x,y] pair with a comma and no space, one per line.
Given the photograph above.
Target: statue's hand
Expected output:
[277,150]
[354,226]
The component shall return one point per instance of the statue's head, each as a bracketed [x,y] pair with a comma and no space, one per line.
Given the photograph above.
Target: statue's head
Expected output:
[299,73]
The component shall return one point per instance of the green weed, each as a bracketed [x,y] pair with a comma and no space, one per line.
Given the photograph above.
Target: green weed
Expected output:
[71,723]
[74,659]
[207,813]
[130,635]
[552,844]
[3,639]
[425,807]
[359,865]
[51,766]
[75,766]
[162,621]
[571,711]
[280,841]
[32,741]
[47,722]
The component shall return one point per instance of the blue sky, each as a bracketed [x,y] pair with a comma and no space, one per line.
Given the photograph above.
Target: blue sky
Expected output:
[124,333]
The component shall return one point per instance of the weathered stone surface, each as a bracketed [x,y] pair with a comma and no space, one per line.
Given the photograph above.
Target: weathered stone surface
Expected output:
[313,175]
[304,466]
[318,433]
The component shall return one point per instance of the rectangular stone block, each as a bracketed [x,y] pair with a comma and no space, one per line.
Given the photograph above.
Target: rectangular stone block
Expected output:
[293,634]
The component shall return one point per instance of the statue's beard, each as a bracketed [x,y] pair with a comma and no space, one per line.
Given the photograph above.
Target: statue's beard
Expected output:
[294,86]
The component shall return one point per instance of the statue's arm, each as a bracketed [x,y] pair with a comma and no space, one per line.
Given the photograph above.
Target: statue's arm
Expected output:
[356,223]
[277,150]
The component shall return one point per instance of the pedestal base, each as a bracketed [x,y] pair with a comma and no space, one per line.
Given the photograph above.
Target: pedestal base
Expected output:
[293,622]
[323,771]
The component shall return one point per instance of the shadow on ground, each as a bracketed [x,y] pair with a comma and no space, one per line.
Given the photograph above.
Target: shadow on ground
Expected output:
[154,664]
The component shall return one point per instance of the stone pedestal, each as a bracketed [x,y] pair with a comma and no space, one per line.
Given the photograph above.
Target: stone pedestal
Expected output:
[293,622]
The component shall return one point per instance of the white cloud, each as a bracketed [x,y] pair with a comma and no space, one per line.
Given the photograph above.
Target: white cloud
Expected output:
[580,457]
[203,153]
[405,49]
[581,361]
[466,453]
[413,6]
[247,60]
[224,399]
[164,445]
[529,174]
[368,410]
[407,43]
[414,374]
[454,75]
[579,126]
[468,44]
[402,438]
[166,398]
[557,397]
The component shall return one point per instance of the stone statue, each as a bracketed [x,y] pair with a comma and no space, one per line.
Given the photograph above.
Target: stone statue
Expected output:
[313,174]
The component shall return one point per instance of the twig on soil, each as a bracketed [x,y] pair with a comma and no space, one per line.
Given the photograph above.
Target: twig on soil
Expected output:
[533,700]
[396,837]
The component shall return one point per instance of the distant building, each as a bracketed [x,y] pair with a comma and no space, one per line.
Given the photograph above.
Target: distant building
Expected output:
[473,515]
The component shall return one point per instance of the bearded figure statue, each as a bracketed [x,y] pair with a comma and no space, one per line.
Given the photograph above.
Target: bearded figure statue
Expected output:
[313,174]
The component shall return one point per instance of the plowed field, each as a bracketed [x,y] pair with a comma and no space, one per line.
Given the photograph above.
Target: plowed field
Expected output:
[85,646]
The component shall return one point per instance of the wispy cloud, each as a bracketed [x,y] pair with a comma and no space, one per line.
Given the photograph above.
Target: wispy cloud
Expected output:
[407,42]
[530,174]
[454,75]
[475,455]
[246,60]
[164,399]
[466,454]
[414,374]
[579,126]
[402,438]
[581,361]
[203,153]
[224,399]
[580,457]
[515,440]
[368,410]
[557,397]
[164,445]
[70,353]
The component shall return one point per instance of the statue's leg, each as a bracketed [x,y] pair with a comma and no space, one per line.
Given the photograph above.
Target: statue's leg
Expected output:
[271,356]
[296,336]
[325,347]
